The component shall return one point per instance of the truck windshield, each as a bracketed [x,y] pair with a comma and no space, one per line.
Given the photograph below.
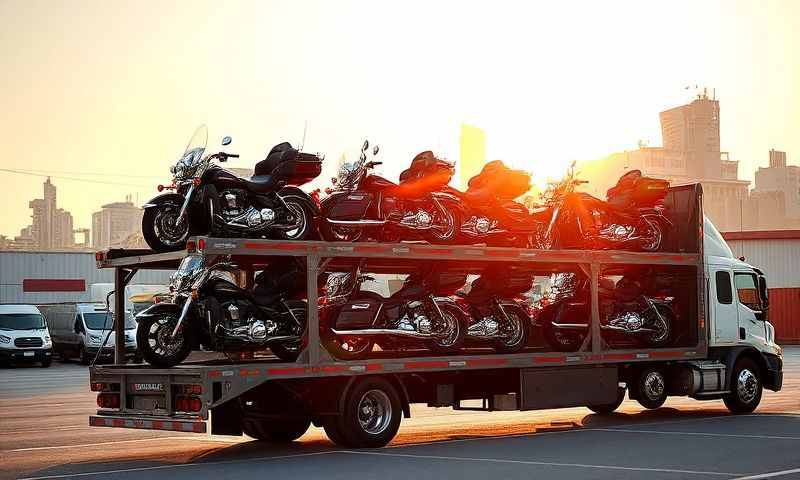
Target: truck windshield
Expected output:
[104,321]
[21,321]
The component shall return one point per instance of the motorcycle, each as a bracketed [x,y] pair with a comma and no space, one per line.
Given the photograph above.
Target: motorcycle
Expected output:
[419,314]
[492,216]
[628,311]
[207,308]
[209,200]
[571,219]
[362,205]
[493,312]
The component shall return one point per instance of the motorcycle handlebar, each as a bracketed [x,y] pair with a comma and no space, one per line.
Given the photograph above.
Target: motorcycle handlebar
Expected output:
[373,164]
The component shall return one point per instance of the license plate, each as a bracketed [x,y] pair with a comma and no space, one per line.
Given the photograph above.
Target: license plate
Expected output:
[28,354]
[148,387]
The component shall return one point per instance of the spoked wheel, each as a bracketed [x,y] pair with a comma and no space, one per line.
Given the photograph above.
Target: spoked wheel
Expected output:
[452,329]
[289,351]
[662,324]
[349,348]
[514,332]
[161,229]
[156,343]
[651,235]
[300,218]
[445,225]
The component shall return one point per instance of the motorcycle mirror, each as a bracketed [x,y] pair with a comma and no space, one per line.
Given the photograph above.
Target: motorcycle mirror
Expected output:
[375,150]
[226,141]
[363,156]
[365,146]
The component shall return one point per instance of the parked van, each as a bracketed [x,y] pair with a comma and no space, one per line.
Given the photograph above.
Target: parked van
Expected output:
[24,336]
[79,329]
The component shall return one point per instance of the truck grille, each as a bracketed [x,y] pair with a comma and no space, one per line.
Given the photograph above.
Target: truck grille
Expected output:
[28,342]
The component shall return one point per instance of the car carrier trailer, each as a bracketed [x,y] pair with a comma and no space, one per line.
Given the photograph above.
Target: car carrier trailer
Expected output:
[360,402]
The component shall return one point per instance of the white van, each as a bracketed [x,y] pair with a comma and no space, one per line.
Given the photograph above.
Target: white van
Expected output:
[79,330]
[24,336]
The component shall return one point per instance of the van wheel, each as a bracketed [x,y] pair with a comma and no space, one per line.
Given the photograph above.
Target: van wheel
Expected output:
[83,356]
[651,388]
[745,387]
[371,415]
[46,363]
[609,408]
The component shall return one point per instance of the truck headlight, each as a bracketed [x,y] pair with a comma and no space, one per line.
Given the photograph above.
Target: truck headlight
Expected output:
[48,342]
[94,339]
[5,339]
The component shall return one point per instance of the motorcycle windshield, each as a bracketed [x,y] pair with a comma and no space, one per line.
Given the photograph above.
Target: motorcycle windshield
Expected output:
[189,268]
[196,147]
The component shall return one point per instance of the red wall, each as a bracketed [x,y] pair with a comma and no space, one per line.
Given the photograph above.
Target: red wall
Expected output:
[784,314]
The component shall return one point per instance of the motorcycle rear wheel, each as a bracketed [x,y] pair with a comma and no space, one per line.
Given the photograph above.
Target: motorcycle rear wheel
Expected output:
[456,330]
[518,329]
[335,233]
[651,235]
[303,220]
[663,323]
[451,218]
[351,348]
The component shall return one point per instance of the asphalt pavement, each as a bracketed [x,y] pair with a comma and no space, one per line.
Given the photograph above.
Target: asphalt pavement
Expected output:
[44,434]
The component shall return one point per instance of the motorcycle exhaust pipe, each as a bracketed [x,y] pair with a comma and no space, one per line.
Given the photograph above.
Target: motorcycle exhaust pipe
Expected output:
[356,223]
[626,330]
[571,326]
[385,332]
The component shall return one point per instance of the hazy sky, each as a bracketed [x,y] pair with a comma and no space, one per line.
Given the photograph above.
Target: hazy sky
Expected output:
[115,88]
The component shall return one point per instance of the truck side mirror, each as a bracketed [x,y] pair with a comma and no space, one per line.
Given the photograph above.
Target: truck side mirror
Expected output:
[763,292]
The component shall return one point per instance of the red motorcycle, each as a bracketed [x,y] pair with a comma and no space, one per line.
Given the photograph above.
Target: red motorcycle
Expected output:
[366,206]
[632,218]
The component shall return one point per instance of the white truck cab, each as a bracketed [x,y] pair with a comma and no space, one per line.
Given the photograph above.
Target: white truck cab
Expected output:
[24,336]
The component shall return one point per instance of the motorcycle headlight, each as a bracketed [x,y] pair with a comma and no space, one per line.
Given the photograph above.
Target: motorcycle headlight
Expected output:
[5,339]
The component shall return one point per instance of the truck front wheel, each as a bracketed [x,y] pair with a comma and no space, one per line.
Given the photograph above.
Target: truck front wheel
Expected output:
[370,417]
[276,430]
[745,387]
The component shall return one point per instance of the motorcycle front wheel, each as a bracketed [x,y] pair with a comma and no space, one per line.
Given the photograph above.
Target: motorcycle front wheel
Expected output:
[161,229]
[651,235]
[156,344]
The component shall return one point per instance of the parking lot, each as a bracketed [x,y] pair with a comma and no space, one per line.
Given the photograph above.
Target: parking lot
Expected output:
[43,434]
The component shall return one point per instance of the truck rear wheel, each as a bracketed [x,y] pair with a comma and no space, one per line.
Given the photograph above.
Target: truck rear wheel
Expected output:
[651,388]
[370,417]
[745,387]
[609,408]
[276,430]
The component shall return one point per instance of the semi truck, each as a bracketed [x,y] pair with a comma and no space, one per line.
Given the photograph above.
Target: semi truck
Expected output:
[722,345]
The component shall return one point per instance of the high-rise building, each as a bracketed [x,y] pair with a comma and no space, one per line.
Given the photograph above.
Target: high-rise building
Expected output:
[693,131]
[779,177]
[50,228]
[472,156]
[115,223]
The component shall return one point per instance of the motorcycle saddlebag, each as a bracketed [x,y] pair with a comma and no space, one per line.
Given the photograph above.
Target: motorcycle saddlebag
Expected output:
[357,314]
[449,282]
[635,189]
[350,206]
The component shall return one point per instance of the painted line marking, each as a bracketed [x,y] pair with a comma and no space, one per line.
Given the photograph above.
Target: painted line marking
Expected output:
[699,434]
[770,474]
[551,464]
[57,447]
[179,465]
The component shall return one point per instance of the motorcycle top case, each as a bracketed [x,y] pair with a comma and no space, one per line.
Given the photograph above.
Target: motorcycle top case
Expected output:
[358,313]
[633,188]
[285,163]
[501,181]
[426,167]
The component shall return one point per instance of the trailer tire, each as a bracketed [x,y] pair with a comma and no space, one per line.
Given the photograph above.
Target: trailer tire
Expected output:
[745,388]
[651,388]
[371,414]
[333,429]
[609,408]
[277,431]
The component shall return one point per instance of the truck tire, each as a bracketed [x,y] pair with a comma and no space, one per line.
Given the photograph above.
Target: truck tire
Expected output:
[650,388]
[609,408]
[333,430]
[745,387]
[371,415]
[46,363]
[276,430]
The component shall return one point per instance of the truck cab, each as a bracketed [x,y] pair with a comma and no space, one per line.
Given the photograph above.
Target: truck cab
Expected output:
[24,336]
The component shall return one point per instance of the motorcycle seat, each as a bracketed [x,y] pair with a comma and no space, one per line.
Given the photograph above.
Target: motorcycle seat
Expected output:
[260,183]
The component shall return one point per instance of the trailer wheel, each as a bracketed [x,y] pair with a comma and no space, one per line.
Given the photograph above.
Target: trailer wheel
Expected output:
[745,388]
[371,415]
[276,430]
[609,408]
[333,429]
[651,388]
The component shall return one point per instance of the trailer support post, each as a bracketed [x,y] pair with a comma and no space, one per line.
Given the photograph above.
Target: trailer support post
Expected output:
[312,329]
[121,278]
[594,279]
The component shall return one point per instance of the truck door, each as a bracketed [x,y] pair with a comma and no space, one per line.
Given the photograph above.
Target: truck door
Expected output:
[750,308]
[726,318]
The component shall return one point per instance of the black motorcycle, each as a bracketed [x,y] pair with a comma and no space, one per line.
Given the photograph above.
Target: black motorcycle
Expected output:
[207,308]
[419,314]
[209,200]
[493,311]
[630,312]
[364,206]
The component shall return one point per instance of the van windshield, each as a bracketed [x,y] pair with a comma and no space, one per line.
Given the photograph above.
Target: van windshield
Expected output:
[21,321]
[105,321]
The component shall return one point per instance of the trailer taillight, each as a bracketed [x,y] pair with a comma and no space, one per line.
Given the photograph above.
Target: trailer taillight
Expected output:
[105,387]
[185,403]
[99,256]
[201,244]
[189,389]
[191,246]
[108,400]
